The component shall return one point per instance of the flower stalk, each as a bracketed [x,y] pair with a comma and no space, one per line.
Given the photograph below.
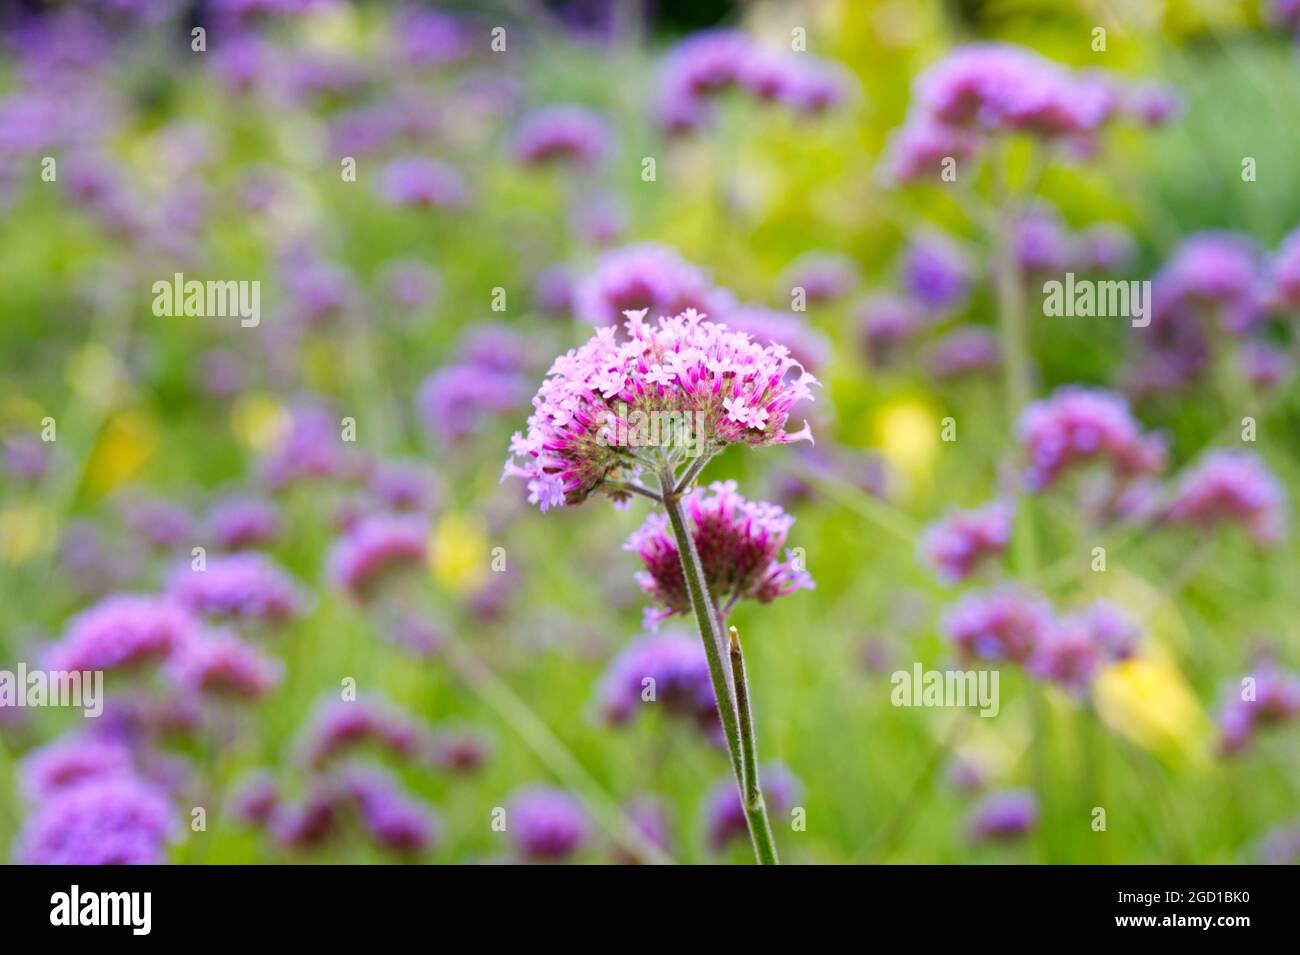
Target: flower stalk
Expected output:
[737,728]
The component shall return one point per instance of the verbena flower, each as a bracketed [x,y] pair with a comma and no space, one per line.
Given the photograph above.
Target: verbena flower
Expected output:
[1275,700]
[823,276]
[418,182]
[1266,367]
[165,525]
[1002,816]
[339,726]
[220,664]
[393,819]
[375,547]
[935,272]
[606,400]
[1079,644]
[1219,271]
[740,545]
[920,148]
[808,346]
[246,586]
[461,750]
[966,350]
[121,632]
[1003,624]
[725,815]
[546,825]
[649,817]
[887,322]
[1077,425]
[70,761]
[236,523]
[648,276]
[954,546]
[1231,487]
[679,674]
[1283,290]
[112,820]
[562,134]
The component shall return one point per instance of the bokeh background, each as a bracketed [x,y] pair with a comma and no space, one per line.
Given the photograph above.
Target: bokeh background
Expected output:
[226,164]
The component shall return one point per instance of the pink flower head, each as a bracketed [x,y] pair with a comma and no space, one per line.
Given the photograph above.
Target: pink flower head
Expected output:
[684,375]
[1079,424]
[920,149]
[823,276]
[966,350]
[548,825]
[562,133]
[71,761]
[109,820]
[415,181]
[246,586]
[1005,624]
[393,819]
[221,664]
[645,276]
[340,726]
[1081,643]
[122,632]
[1231,487]
[954,546]
[239,522]
[376,545]
[1214,269]
[1284,274]
[739,543]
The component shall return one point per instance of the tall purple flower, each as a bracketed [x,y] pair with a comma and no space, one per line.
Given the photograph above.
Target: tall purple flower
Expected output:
[71,761]
[236,523]
[220,664]
[362,558]
[936,272]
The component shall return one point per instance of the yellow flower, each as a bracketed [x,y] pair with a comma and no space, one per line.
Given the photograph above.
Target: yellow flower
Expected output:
[1147,701]
[126,444]
[458,553]
[24,531]
[907,433]
[258,421]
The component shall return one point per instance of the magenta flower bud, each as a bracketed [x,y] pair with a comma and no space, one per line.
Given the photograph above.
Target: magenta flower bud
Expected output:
[740,544]
[672,667]
[71,761]
[339,726]
[395,821]
[1274,700]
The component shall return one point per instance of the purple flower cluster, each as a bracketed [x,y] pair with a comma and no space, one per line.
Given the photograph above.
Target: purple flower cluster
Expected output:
[1274,698]
[739,543]
[1004,624]
[998,89]
[1002,816]
[712,62]
[236,523]
[483,381]
[606,399]
[123,632]
[375,547]
[245,586]
[113,819]
[1231,487]
[954,546]
[546,825]
[223,665]
[419,182]
[1077,425]
[677,671]
[570,134]
[340,726]
[646,276]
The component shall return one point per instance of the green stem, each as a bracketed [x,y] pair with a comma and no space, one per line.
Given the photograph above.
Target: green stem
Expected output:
[711,636]
[752,795]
